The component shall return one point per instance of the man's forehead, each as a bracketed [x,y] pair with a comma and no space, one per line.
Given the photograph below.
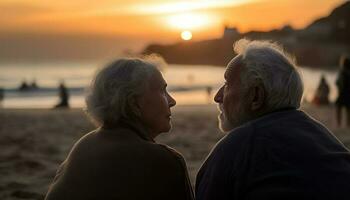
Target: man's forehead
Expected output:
[233,67]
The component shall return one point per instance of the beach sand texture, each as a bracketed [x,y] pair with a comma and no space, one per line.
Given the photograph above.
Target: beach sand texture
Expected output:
[33,142]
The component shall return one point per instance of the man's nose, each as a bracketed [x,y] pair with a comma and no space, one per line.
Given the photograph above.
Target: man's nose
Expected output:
[218,95]
[171,100]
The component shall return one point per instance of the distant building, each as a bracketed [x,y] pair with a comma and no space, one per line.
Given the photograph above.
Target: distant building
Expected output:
[230,32]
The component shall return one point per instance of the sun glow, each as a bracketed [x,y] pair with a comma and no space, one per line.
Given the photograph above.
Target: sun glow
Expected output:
[184,6]
[186,35]
[188,21]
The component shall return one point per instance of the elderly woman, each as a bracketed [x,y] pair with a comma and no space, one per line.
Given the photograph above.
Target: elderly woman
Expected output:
[120,160]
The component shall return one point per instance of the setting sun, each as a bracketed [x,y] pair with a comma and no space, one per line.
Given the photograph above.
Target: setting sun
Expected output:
[186,35]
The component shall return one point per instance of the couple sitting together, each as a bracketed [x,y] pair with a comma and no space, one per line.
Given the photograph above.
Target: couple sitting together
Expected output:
[272,149]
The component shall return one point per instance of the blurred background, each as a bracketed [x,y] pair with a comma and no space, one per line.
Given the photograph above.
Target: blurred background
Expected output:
[49,51]
[45,43]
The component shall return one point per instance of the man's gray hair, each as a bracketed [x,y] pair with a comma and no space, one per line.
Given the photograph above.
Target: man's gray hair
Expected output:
[113,93]
[267,63]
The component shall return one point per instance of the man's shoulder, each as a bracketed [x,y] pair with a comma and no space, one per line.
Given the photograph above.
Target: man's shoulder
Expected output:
[223,162]
[233,144]
[268,128]
[282,131]
[281,122]
[237,135]
[257,127]
[278,117]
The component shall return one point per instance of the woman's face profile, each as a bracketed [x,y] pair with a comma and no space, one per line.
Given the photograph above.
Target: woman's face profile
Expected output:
[155,105]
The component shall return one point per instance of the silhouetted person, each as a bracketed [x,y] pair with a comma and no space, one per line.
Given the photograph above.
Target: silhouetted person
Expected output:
[209,89]
[24,86]
[2,96]
[64,97]
[343,85]
[33,85]
[322,93]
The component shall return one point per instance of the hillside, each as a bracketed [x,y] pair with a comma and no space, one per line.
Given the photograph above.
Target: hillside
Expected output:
[318,45]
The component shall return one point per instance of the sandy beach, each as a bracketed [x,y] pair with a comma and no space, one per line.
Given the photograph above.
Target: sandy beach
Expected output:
[34,142]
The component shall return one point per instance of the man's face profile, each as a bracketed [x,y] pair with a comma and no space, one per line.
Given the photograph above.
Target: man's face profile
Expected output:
[229,98]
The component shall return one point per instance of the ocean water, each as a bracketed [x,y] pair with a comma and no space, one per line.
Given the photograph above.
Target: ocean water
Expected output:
[188,84]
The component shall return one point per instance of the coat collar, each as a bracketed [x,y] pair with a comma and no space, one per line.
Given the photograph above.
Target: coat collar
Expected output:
[135,126]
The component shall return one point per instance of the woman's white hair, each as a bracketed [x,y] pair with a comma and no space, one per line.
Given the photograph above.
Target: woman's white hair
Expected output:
[115,88]
[267,63]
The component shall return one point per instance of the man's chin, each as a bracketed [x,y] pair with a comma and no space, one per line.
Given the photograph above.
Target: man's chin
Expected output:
[224,125]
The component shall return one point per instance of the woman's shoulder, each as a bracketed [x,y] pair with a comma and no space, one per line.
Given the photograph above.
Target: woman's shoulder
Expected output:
[130,140]
[84,146]
[164,151]
[108,146]
[84,140]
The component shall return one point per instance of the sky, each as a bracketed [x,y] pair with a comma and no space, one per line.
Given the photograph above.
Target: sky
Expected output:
[40,24]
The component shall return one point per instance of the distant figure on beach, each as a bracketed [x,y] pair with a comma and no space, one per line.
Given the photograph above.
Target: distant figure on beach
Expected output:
[24,86]
[322,93]
[272,150]
[34,85]
[2,96]
[63,95]
[209,89]
[343,85]
[129,102]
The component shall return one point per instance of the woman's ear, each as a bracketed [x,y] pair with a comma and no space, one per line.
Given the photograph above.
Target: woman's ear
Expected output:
[135,105]
[257,97]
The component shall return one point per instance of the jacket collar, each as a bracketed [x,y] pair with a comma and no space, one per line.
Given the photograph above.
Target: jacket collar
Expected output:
[135,126]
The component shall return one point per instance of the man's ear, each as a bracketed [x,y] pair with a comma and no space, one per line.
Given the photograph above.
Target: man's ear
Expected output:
[257,96]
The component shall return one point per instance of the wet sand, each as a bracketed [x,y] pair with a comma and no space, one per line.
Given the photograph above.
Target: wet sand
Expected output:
[34,142]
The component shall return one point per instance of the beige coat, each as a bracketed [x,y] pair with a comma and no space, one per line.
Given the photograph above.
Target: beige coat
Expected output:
[121,163]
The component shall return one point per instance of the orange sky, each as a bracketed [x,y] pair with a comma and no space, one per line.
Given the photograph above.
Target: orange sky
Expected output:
[157,19]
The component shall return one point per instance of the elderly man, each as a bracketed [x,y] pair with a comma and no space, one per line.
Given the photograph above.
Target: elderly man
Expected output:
[272,149]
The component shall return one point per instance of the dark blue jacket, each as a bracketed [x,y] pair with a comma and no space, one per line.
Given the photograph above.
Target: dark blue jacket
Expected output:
[282,155]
